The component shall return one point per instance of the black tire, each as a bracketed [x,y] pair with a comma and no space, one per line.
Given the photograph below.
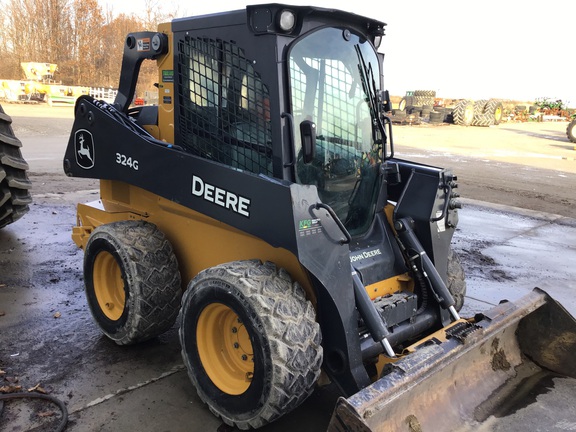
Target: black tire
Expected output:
[405,102]
[436,117]
[132,281]
[463,113]
[425,93]
[571,132]
[426,110]
[424,97]
[250,315]
[495,108]
[416,110]
[481,116]
[14,184]
[399,114]
[456,279]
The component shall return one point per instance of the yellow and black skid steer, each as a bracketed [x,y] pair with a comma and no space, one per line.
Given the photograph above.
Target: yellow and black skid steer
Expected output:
[262,203]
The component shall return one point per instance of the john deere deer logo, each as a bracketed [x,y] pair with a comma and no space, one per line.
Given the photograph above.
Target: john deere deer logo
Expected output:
[84,148]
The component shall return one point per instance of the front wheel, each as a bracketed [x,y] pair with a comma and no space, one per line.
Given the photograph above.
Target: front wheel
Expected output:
[250,342]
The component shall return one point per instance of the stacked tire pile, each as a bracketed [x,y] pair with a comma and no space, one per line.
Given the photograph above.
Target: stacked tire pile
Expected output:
[14,184]
[420,105]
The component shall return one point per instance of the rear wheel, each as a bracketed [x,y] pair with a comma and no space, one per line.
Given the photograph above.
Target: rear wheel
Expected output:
[14,184]
[456,279]
[250,342]
[132,281]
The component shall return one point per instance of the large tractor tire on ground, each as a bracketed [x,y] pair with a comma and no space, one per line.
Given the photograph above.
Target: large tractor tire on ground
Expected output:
[495,108]
[424,97]
[463,113]
[481,115]
[132,281]
[405,102]
[14,184]
[571,131]
[250,342]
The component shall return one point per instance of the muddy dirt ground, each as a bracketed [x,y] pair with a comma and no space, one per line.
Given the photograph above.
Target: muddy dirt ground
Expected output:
[48,337]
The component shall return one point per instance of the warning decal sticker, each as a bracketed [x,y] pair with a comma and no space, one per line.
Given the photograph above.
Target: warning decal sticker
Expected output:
[143,44]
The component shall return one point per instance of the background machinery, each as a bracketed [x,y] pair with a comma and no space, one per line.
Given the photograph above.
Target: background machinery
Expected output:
[261,202]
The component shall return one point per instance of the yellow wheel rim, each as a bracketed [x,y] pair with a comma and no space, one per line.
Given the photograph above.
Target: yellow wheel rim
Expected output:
[498,114]
[109,286]
[469,114]
[225,349]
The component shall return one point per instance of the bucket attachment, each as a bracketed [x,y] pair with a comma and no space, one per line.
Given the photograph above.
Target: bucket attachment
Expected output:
[463,374]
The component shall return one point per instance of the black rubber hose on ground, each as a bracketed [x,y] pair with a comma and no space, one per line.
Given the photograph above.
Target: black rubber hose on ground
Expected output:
[49,398]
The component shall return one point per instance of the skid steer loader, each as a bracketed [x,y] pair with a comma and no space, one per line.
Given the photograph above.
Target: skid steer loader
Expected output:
[261,202]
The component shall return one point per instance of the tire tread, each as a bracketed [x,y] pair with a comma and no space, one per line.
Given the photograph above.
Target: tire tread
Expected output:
[291,327]
[15,187]
[155,275]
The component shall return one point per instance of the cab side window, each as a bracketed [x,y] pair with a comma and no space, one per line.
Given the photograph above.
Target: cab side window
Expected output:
[224,106]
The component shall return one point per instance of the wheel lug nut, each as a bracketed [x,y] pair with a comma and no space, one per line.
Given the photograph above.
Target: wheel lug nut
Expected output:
[236,345]
[244,357]
[234,330]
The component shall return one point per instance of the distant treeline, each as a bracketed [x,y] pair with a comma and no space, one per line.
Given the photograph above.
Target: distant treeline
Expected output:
[84,40]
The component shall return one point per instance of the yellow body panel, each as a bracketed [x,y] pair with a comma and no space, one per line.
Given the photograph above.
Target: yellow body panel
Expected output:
[199,241]
[390,286]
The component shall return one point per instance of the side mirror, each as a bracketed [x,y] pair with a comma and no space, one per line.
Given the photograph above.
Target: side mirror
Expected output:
[308,137]
[385,100]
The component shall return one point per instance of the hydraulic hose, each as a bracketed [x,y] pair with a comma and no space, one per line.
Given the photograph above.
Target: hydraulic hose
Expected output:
[407,235]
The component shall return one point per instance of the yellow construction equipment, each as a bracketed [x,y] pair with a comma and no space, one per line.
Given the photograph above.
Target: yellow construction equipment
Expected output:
[261,202]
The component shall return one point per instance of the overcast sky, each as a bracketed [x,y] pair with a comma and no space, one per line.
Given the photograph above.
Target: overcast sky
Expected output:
[509,49]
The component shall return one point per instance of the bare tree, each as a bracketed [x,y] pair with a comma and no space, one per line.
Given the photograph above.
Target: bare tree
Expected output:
[112,47]
[85,42]
[86,49]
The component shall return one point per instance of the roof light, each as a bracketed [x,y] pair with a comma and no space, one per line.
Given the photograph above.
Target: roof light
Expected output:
[287,20]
